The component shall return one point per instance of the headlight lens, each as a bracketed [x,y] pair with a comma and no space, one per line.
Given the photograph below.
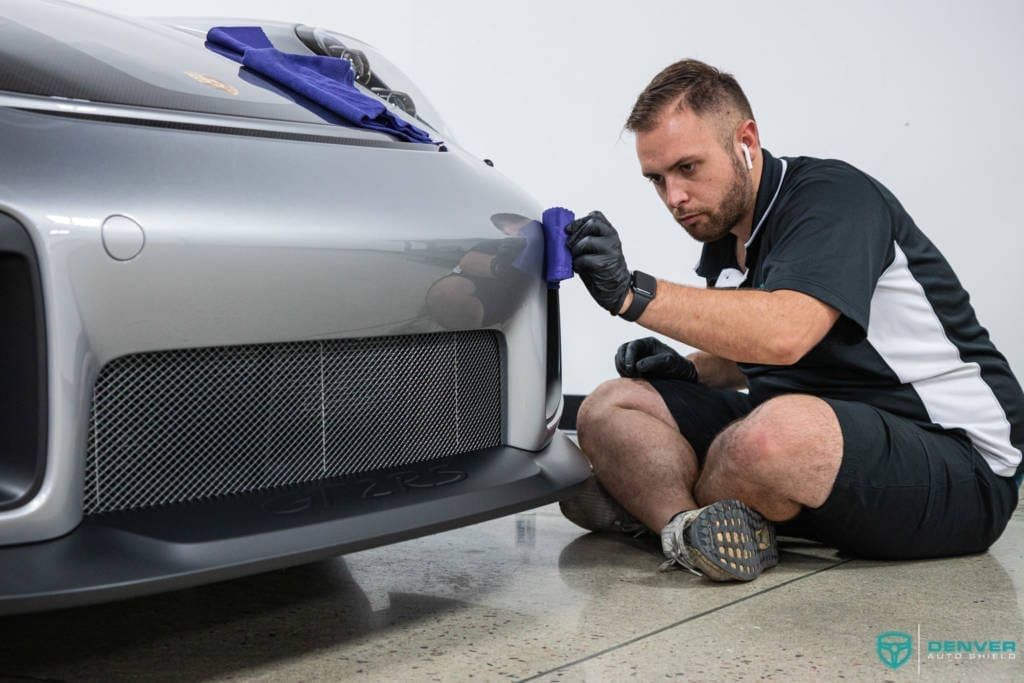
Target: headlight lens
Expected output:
[397,98]
[375,73]
[357,58]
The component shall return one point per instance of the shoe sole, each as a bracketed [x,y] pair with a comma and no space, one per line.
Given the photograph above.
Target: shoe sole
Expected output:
[733,542]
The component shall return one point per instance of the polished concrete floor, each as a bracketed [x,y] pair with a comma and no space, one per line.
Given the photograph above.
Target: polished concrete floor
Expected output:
[533,597]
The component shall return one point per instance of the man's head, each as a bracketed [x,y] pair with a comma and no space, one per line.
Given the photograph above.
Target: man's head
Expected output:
[691,123]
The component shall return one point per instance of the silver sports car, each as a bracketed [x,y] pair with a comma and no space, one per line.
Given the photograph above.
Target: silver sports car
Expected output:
[239,333]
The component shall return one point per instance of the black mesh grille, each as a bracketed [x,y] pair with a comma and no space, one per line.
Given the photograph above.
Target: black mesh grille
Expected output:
[176,426]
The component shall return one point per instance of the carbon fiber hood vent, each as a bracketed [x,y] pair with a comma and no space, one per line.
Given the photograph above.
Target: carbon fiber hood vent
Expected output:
[176,426]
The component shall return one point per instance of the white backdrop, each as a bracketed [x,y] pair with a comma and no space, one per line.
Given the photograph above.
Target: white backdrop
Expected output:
[926,96]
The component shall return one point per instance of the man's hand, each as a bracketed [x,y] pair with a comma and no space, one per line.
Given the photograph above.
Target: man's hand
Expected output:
[597,257]
[649,358]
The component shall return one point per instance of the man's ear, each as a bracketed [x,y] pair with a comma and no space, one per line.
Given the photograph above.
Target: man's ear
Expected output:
[748,135]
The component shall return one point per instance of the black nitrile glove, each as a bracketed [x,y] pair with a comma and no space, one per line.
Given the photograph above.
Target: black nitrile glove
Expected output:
[597,257]
[649,358]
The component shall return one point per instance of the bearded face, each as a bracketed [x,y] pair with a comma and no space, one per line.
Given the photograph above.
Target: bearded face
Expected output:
[694,163]
[714,222]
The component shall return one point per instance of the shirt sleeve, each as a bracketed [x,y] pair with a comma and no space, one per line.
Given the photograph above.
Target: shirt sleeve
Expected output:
[831,240]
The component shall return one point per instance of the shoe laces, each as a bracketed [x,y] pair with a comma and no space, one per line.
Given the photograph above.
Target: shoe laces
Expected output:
[673,543]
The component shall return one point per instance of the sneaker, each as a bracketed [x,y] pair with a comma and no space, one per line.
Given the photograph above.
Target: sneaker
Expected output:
[725,541]
[594,509]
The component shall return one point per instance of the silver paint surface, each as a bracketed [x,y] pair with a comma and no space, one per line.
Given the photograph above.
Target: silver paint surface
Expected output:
[251,239]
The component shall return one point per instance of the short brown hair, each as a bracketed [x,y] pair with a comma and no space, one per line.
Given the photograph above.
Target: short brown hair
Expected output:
[696,85]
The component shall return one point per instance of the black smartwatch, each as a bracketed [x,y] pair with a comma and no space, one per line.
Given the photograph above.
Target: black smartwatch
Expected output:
[644,287]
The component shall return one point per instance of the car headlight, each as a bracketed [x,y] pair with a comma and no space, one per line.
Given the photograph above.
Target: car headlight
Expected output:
[397,98]
[375,73]
[327,44]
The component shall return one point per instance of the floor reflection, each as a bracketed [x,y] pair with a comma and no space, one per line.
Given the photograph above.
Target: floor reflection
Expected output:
[515,596]
[219,628]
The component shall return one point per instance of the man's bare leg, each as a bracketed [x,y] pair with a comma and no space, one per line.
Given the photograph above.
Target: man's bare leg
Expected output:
[781,457]
[767,466]
[638,453]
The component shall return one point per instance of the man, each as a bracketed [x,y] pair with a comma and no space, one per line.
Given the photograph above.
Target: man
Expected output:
[880,418]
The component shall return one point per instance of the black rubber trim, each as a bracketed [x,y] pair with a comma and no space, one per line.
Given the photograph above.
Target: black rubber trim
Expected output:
[572,406]
[553,359]
[125,554]
[23,376]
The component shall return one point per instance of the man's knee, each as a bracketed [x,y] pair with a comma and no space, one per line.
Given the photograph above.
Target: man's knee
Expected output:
[743,450]
[792,436]
[611,397]
[757,444]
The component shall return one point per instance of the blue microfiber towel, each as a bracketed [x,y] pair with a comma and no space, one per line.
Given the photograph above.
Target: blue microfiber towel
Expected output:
[557,258]
[328,81]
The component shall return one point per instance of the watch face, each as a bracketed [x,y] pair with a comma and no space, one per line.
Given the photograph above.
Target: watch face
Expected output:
[644,284]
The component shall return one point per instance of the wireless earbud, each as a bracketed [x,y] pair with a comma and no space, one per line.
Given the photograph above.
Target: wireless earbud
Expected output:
[746,156]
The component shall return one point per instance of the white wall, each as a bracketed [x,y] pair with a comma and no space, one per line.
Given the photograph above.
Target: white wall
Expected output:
[926,96]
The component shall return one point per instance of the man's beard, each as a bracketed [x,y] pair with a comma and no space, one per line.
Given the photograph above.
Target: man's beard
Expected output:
[717,223]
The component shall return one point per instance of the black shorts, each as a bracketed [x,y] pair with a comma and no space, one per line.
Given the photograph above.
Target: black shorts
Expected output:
[904,490]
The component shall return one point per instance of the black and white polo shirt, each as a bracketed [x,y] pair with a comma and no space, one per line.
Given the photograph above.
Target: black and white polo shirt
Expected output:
[907,340]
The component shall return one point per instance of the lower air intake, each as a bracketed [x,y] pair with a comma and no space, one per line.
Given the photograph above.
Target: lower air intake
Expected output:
[175,426]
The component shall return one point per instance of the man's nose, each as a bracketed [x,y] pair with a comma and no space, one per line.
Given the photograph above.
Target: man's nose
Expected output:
[676,194]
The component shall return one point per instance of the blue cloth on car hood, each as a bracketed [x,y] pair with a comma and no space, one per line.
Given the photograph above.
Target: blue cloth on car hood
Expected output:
[557,257]
[328,81]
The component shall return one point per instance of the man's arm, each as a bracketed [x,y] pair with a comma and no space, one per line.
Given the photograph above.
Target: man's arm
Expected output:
[752,326]
[716,372]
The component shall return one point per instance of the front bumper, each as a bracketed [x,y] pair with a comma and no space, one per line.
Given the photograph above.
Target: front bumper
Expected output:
[125,554]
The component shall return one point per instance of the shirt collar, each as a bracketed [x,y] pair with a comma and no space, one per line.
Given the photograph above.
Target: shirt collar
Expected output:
[721,253]
[773,172]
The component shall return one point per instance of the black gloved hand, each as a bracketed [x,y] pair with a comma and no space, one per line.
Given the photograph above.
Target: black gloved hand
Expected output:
[597,257]
[649,358]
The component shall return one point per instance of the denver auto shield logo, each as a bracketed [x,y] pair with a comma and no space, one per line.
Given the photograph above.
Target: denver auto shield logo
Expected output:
[894,648]
[212,82]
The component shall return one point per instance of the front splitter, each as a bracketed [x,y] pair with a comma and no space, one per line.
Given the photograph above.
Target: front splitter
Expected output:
[126,554]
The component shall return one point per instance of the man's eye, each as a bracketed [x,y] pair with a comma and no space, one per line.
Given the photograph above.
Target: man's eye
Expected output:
[687,168]
[655,179]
